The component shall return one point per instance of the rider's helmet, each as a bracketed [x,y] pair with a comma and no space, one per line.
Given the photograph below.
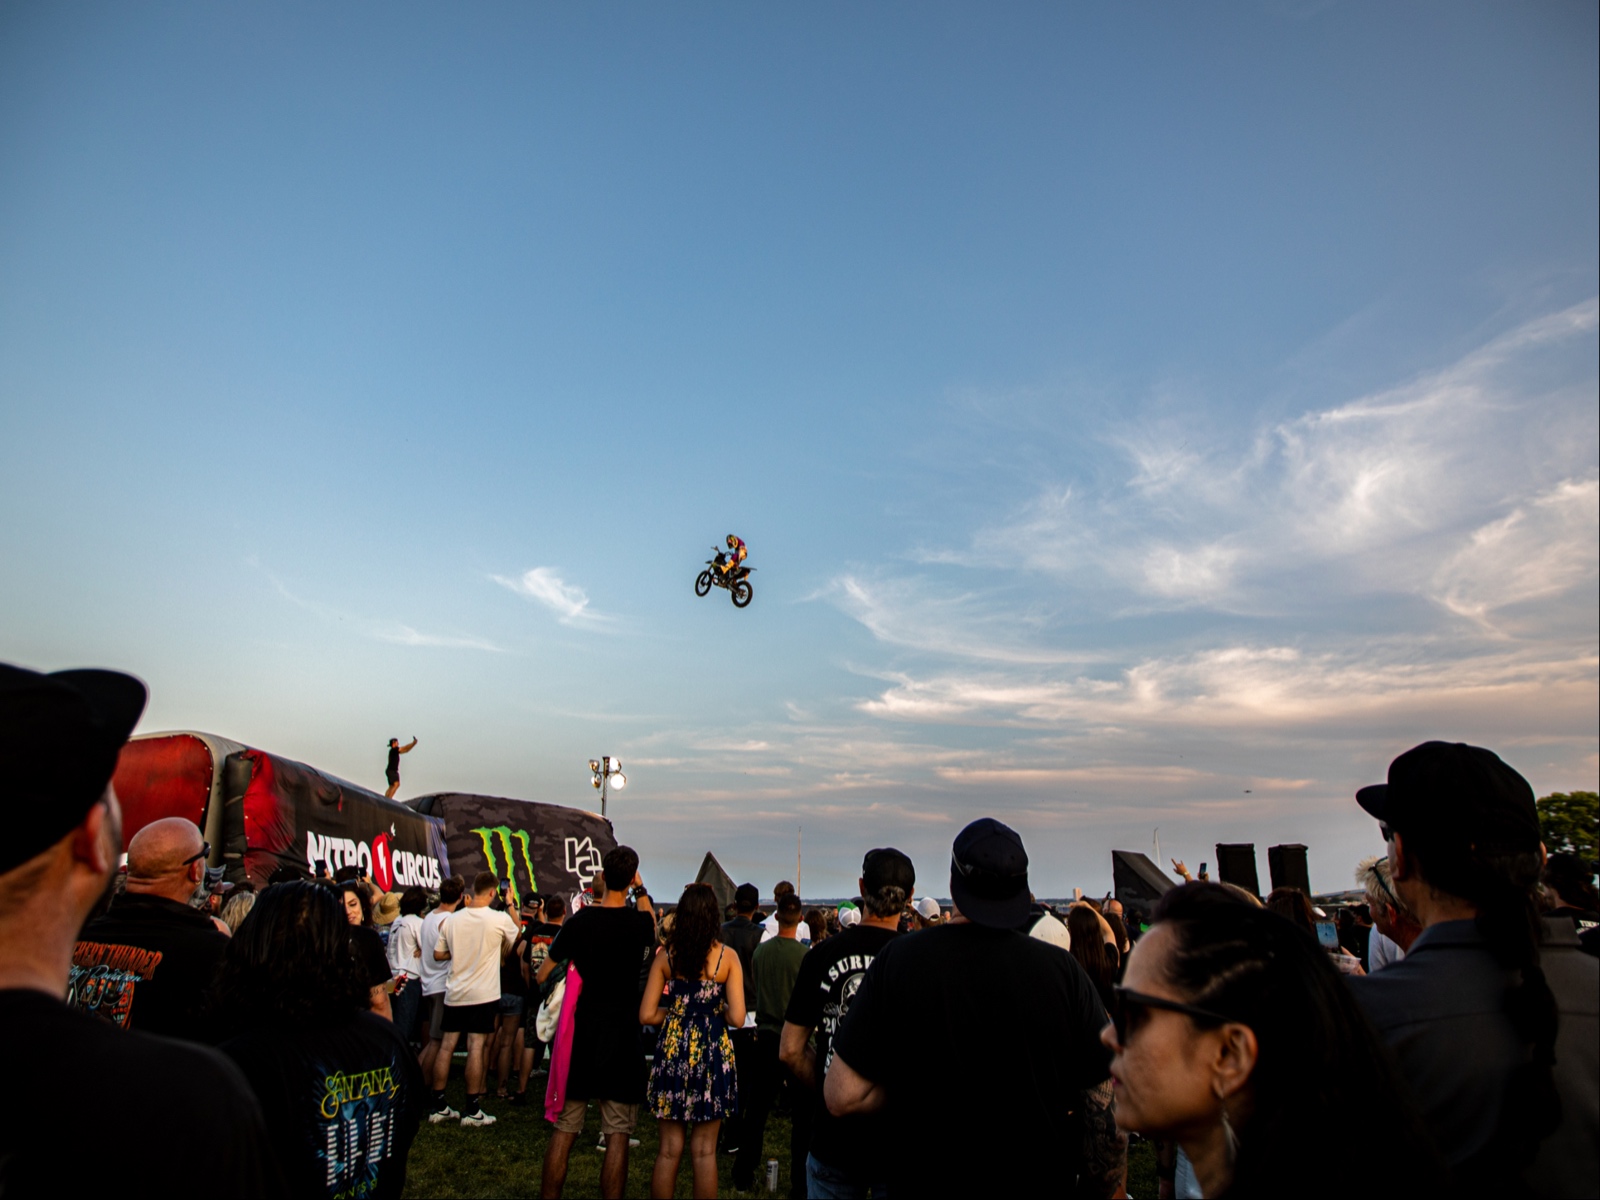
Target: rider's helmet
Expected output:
[732,541]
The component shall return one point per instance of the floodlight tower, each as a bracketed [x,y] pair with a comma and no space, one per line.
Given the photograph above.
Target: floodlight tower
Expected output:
[606,773]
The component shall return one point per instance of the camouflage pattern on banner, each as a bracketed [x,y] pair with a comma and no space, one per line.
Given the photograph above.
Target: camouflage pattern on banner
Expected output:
[541,848]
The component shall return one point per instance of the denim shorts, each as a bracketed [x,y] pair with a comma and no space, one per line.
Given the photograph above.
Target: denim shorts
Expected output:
[510,1005]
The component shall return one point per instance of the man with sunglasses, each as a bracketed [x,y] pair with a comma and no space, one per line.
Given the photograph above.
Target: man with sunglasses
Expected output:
[148,962]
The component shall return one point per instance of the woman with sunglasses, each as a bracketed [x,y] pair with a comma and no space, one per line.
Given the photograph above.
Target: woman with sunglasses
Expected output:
[1234,1035]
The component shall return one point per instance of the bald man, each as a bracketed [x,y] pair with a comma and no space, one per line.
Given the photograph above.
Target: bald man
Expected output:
[147,963]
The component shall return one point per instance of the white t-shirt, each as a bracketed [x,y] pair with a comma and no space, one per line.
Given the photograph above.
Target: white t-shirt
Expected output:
[433,973]
[477,939]
[405,945]
[769,930]
[1382,950]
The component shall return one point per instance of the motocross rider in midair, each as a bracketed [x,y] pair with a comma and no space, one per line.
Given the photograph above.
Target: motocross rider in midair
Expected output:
[736,555]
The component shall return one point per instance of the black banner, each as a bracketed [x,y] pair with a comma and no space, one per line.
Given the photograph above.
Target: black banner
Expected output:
[546,848]
[279,812]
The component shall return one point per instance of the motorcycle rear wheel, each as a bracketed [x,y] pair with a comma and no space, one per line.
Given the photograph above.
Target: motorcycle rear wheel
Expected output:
[742,593]
[702,585]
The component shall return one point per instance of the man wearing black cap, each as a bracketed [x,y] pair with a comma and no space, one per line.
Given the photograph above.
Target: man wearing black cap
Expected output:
[979,1021]
[847,1155]
[1494,1017]
[124,1093]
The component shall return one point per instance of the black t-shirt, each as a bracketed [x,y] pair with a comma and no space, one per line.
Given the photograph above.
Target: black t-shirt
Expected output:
[992,1026]
[830,974]
[610,947]
[147,965]
[342,1103]
[742,936]
[371,959]
[533,947]
[394,761]
[148,1115]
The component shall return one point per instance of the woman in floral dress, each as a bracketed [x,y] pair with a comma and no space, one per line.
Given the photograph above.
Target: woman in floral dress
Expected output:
[695,993]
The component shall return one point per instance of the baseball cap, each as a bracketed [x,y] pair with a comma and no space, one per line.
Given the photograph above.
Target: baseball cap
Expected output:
[887,867]
[1451,788]
[60,738]
[60,735]
[989,874]
[849,915]
[927,908]
[746,895]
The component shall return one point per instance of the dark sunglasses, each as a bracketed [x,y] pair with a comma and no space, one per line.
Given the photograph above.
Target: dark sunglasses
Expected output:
[205,851]
[1128,1011]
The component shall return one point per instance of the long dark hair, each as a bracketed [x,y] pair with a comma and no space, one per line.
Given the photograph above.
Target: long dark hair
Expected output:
[1292,905]
[353,886]
[1500,884]
[696,923]
[1317,1053]
[289,963]
[1090,949]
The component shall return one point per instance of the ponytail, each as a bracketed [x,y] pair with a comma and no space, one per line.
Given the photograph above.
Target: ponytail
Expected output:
[1500,884]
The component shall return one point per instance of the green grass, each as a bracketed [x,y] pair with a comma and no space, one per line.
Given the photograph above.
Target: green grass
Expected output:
[506,1158]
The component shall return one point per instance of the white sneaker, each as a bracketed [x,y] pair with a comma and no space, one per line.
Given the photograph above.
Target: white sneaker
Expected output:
[478,1118]
[444,1114]
[633,1143]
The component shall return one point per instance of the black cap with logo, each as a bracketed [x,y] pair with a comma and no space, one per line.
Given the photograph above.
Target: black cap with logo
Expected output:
[989,874]
[1464,793]
[60,735]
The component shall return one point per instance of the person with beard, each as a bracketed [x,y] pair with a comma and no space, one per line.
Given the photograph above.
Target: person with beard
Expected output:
[60,736]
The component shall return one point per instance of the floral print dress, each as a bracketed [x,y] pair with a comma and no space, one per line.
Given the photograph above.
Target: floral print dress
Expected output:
[693,1078]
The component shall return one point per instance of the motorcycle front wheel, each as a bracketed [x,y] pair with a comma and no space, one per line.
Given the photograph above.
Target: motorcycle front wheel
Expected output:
[702,585]
[742,593]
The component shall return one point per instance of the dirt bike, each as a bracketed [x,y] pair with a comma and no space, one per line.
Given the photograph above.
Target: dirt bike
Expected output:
[737,581]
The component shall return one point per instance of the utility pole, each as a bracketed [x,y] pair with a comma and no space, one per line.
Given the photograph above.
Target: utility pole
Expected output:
[799,879]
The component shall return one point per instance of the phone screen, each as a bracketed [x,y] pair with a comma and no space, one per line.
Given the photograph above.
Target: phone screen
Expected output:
[1328,935]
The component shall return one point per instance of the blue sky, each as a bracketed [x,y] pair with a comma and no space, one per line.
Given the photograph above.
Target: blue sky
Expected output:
[1141,417]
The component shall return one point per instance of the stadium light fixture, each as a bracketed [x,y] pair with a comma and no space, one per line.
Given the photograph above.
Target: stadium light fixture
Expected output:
[606,773]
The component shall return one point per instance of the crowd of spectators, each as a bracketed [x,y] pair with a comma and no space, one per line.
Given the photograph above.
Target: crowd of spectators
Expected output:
[305,1030]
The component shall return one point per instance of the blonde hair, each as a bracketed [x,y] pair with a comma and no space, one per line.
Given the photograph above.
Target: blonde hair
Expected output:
[237,909]
[1374,877]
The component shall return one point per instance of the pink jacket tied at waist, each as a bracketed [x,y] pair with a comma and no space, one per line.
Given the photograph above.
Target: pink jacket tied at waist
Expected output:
[555,1091]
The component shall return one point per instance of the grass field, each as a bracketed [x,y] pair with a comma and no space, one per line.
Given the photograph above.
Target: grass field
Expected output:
[506,1158]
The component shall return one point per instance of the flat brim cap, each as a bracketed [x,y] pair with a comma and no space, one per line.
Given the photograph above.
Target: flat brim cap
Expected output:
[989,874]
[60,735]
[1463,792]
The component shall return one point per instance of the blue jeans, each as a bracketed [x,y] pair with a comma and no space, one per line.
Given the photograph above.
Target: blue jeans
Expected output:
[828,1183]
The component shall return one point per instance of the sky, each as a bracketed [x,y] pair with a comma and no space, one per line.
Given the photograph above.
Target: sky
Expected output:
[1146,421]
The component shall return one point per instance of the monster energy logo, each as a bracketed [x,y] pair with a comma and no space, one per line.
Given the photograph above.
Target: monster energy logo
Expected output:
[504,835]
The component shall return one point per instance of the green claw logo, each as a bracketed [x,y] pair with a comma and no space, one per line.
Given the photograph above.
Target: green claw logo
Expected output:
[504,835]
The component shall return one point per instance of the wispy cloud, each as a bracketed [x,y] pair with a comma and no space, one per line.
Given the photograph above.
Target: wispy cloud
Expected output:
[396,632]
[544,586]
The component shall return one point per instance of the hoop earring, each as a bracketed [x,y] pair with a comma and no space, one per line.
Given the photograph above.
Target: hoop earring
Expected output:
[1229,1137]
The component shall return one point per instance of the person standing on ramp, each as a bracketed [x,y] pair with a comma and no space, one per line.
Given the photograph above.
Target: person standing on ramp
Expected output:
[392,771]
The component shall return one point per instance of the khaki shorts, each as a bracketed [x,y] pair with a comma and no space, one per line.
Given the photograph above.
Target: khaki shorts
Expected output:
[615,1117]
[435,1016]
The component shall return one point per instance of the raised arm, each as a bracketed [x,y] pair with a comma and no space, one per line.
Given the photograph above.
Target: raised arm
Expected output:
[408,748]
